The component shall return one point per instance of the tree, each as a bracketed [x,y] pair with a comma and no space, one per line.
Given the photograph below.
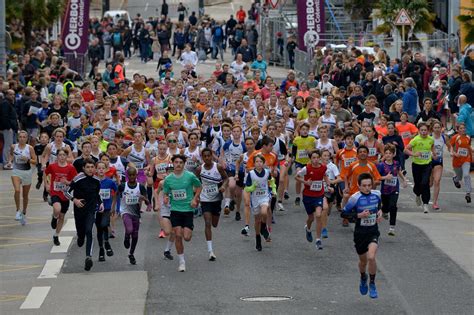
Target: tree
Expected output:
[360,9]
[418,10]
[467,22]
[35,14]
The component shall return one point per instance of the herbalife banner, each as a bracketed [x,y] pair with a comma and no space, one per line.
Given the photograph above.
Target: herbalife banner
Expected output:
[310,24]
[75,33]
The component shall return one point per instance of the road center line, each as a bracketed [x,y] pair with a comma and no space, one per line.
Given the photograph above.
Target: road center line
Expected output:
[35,298]
[65,242]
[51,269]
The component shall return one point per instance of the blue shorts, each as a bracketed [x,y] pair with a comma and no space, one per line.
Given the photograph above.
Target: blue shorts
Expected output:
[311,203]
[299,165]
[436,163]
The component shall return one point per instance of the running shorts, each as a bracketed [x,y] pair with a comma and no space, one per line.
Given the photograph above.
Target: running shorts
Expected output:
[311,203]
[64,204]
[182,219]
[214,207]
[362,240]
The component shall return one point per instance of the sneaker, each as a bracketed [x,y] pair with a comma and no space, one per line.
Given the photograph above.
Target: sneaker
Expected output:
[418,201]
[345,222]
[319,244]
[237,216]
[286,196]
[112,234]
[436,207]
[56,241]
[232,205]
[363,288]
[212,257]
[132,259]
[426,209]
[54,222]
[297,201]
[101,254]
[47,198]
[468,198]
[226,210]
[391,231]
[245,231]
[280,206]
[162,234]
[182,267]
[18,216]
[148,208]
[404,172]
[168,255]
[373,291]
[385,216]
[38,185]
[126,242]
[88,263]
[457,184]
[23,219]
[258,243]
[324,233]
[264,232]
[108,249]
[80,242]
[273,220]
[309,235]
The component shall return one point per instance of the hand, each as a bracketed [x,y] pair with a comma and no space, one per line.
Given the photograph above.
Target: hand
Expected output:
[346,191]
[308,182]
[404,184]
[379,216]
[222,189]
[166,200]
[194,203]
[417,154]
[144,199]
[364,214]
[78,202]
[63,180]
[389,176]
[101,208]
[331,190]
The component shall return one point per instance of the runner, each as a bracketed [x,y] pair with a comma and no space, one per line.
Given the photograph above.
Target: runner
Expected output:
[58,176]
[214,182]
[50,152]
[437,164]
[23,158]
[461,151]
[302,145]
[334,177]
[365,207]
[84,191]
[312,176]
[86,148]
[164,216]
[182,190]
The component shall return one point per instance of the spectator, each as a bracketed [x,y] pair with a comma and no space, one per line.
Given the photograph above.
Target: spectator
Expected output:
[182,12]
[8,125]
[245,50]
[164,9]
[290,48]
[241,15]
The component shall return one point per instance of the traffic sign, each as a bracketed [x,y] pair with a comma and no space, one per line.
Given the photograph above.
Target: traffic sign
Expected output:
[274,3]
[403,18]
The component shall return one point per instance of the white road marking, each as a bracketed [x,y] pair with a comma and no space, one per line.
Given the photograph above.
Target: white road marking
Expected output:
[70,226]
[35,298]
[146,6]
[65,242]
[51,269]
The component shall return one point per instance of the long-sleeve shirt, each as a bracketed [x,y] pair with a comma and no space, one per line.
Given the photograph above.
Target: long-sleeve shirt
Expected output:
[189,58]
[86,188]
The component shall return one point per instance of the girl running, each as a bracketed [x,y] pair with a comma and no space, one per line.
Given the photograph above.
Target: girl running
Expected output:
[461,151]
[334,177]
[437,164]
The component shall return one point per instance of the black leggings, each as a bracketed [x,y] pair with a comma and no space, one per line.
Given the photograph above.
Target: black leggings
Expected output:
[102,222]
[389,205]
[85,219]
[421,178]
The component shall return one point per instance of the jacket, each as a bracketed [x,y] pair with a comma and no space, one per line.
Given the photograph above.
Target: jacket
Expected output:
[8,117]
[465,116]
[410,102]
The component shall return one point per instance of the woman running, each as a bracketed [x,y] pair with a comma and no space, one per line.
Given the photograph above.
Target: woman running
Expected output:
[461,151]
[437,164]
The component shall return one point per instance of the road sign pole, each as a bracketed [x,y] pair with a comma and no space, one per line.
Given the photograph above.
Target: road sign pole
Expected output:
[403,40]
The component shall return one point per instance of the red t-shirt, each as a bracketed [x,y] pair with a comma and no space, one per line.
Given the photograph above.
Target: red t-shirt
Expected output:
[316,175]
[57,172]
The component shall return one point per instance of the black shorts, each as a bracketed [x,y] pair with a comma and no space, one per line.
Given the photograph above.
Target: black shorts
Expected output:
[214,207]
[436,163]
[64,204]
[240,181]
[182,219]
[362,240]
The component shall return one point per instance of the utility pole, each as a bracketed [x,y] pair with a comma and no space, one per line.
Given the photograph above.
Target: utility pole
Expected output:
[3,40]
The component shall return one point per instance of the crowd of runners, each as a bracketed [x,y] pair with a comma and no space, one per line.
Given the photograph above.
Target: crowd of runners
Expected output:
[184,145]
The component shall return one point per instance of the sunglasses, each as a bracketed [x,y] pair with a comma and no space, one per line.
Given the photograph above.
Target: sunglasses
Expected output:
[172,141]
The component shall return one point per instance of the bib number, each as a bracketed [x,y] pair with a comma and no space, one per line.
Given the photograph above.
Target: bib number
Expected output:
[139,165]
[406,135]
[302,154]
[131,200]
[211,190]
[347,162]
[463,152]
[58,186]
[161,168]
[104,194]
[425,155]
[369,221]
[316,185]
[179,194]
[20,159]
[391,182]
[372,151]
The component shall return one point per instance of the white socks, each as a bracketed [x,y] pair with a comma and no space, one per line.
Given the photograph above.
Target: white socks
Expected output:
[209,246]
[181,258]
[169,245]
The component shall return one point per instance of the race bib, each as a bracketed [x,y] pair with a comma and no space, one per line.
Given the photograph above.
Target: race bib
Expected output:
[439,152]
[191,164]
[19,159]
[463,152]
[369,221]
[211,189]
[104,193]
[161,168]
[302,154]
[406,135]
[58,186]
[34,110]
[179,194]
[131,200]
[425,155]
[260,192]
[391,182]
[347,162]
[372,151]
[139,165]
[316,185]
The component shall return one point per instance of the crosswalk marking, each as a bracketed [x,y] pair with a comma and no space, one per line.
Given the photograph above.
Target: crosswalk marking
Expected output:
[65,242]
[51,269]
[35,298]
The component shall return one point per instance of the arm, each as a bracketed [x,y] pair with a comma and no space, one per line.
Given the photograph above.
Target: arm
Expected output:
[225,178]
[33,159]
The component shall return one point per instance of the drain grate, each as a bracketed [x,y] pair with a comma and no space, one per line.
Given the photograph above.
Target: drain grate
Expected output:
[266,298]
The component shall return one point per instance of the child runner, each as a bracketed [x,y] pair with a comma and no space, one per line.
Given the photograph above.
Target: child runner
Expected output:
[461,152]
[164,216]
[302,146]
[39,150]
[334,177]
[437,164]
[365,207]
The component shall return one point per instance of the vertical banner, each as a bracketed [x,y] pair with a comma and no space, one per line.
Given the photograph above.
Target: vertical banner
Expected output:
[311,24]
[75,33]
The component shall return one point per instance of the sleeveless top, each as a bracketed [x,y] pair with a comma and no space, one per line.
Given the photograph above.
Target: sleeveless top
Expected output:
[152,148]
[210,184]
[53,156]
[193,159]
[328,146]
[439,144]
[137,158]
[109,132]
[19,155]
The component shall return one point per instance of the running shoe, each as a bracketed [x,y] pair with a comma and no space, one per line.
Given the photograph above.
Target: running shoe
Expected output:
[132,259]
[436,207]
[18,216]
[23,219]
[112,234]
[88,263]
[56,241]
[391,231]
[162,234]
[258,243]
[468,198]
[324,233]
[126,242]
[297,201]
[108,249]
[418,201]
[280,206]
[101,254]
[345,222]
[426,209]
[47,198]
[237,216]
[309,235]
[373,291]
[286,196]
[80,242]
[385,216]
[273,220]
[148,208]
[232,205]
[226,210]
[264,232]
[363,288]
[54,222]
[38,185]
[168,255]
[404,172]
[319,244]
[212,257]
[457,184]
[245,231]
[182,267]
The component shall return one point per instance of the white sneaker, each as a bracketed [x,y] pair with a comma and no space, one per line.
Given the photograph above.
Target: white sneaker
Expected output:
[212,257]
[182,267]
[426,209]
[18,216]
[281,207]
[418,201]
[391,231]
[23,219]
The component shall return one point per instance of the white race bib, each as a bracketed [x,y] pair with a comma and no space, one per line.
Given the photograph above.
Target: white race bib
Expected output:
[211,189]
[463,152]
[161,168]
[316,185]
[139,165]
[131,200]
[372,151]
[302,154]
[369,221]
[425,155]
[34,110]
[261,192]
[104,193]
[347,162]
[179,194]
[406,135]
[58,186]
[19,159]
[391,182]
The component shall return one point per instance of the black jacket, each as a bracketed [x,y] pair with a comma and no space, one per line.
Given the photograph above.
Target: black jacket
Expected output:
[8,117]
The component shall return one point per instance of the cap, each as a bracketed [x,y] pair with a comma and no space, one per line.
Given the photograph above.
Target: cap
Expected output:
[188,110]
[435,69]
[46,101]
[249,76]
[203,90]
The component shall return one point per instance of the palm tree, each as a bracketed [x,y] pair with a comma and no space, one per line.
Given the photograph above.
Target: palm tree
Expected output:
[418,10]
[467,22]
[35,14]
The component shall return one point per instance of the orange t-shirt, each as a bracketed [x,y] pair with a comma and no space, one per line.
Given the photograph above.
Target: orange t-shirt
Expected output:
[344,158]
[406,131]
[382,131]
[271,159]
[462,146]
[201,107]
[356,169]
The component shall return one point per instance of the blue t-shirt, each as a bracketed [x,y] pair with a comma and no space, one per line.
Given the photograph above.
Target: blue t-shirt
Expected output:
[360,202]
[108,189]
[393,185]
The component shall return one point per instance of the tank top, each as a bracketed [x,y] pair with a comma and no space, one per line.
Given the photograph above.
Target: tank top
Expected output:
[193,159]
[290,126]
[232,153]
[137,158]
[172,118]
[118,165]
[19,155]
[180,139]
[53,156]
[161,165]
[262,122]
[328,146]
[277,149]
[109,132]
[439,144]
[176,151]
[190,126]
[261,186]
[330,121]
[210,184]
[156,123]
[130,202]
[314,132]
[152,148]
[373,155]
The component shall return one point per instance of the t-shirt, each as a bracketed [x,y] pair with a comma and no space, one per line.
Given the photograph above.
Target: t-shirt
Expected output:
[423,145]
[389,186]
[181,190]
[303,147]
[360,202]
[344,158]
[108,189]
[406,131]
[462,146]
[316,175]
[271,159]
[57,173]
[355,169]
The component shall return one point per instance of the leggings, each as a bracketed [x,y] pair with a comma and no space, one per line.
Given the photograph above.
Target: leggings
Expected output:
[389,205]
[132,225]
[463,172]
[421,177]
[102,222]
[84,219]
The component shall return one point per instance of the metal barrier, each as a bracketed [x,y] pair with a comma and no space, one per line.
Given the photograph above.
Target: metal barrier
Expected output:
[302,64]
[269,26]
